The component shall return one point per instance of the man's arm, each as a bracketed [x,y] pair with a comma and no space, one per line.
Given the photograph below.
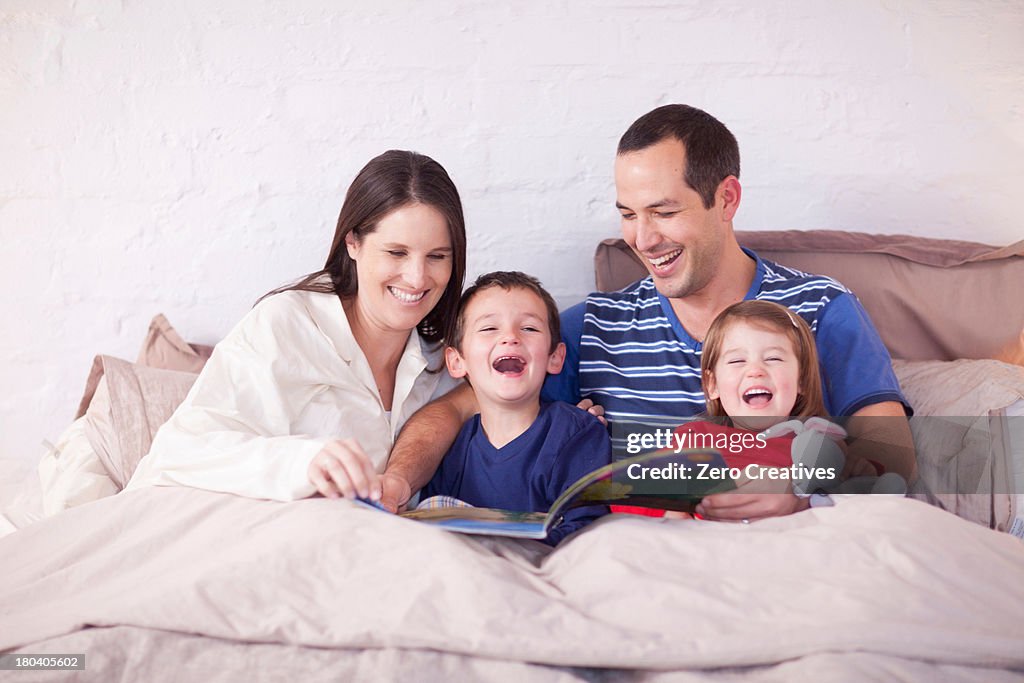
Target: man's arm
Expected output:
[881,432]
[859,383]
[422,443]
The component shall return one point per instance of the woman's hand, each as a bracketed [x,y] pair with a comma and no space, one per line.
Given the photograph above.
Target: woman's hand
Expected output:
[753,499]
[342,469]
[594,409]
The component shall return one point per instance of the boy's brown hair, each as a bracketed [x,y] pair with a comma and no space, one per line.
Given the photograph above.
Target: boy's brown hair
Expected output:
[768,315]
[507,280]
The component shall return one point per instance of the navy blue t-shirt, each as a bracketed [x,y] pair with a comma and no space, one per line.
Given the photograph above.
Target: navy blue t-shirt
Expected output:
[530,472]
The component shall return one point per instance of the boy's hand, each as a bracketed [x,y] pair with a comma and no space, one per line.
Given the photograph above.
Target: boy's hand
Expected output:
[343,469]
[594,409]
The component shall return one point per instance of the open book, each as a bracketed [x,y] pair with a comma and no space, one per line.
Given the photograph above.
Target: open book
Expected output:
[662,479]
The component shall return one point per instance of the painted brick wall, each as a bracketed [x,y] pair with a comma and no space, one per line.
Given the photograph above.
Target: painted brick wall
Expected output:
[185,157]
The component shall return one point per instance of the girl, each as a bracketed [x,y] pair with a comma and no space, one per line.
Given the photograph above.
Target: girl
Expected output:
[759,371]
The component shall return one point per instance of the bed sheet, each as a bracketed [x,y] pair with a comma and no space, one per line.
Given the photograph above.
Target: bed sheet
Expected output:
[880,579]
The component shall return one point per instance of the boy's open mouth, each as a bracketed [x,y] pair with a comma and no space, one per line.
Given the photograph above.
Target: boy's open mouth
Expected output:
[509,365]
[757,397]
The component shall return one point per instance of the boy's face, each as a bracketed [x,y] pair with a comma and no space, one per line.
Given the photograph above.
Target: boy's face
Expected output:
[506,344]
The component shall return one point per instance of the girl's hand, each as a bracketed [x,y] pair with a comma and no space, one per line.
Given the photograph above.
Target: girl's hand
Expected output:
[342,469]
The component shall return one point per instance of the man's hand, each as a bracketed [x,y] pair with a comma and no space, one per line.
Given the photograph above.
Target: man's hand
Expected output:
[857,467]
[753,499]
[421,445]
[594,409]
[881,432]
[395,492]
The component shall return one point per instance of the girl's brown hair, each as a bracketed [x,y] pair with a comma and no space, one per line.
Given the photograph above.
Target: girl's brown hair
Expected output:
[810,400]
[388,182]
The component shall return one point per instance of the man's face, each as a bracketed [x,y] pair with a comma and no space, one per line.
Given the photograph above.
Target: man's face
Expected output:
[664,220]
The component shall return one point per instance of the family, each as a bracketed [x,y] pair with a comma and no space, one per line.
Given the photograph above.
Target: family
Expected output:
[376,376]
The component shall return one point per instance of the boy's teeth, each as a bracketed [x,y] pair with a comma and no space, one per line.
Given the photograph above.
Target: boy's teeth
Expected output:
[407,298]
[662,260]
[511,364]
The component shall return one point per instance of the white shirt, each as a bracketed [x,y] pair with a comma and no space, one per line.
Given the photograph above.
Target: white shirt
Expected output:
[288,378]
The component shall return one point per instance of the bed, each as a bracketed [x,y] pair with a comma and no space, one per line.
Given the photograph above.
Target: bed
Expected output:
[179,584]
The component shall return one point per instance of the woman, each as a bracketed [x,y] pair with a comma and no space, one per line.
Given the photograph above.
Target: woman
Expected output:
[315,382]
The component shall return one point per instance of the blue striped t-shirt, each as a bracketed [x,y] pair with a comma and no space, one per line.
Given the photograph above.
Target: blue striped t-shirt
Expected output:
[627,351]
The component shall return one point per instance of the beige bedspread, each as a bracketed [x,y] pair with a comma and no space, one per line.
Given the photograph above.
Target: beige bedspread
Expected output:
[891,579]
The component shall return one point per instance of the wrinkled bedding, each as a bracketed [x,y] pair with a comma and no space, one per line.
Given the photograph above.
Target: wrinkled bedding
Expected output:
[126,653]
[889,586]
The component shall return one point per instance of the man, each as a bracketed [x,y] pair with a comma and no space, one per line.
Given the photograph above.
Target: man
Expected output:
[637,352]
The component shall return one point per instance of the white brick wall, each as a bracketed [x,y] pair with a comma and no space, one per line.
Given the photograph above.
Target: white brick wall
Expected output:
[185,157]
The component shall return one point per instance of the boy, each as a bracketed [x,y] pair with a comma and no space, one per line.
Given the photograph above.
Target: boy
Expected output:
[516,454]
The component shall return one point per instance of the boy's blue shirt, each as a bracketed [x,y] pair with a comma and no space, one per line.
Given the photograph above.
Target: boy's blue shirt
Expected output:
[529,473]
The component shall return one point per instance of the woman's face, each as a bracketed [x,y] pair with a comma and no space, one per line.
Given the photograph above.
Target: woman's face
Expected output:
[402,267]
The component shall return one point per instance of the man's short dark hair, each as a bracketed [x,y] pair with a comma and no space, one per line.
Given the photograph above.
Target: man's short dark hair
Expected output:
[507,280]
[712,154]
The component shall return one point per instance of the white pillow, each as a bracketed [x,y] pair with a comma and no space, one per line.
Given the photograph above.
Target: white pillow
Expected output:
[72,474]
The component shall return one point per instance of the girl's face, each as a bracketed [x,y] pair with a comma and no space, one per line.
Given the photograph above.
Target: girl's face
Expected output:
[757,376]
[402,267]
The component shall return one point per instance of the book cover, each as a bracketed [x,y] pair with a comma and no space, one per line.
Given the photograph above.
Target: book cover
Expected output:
[662,479]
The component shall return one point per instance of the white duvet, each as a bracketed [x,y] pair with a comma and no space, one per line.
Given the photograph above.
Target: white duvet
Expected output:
[892,579]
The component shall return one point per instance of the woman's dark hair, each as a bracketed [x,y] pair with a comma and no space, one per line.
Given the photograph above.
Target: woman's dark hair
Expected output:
[388,182]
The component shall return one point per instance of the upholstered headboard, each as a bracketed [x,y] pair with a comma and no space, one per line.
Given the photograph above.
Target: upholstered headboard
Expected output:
[930,299]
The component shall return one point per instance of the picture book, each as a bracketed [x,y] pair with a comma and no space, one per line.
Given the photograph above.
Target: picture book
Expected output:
[661,479]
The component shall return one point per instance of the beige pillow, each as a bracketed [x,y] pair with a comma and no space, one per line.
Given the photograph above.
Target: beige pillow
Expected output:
[165,349]
[131,402]
[930,299]
[965,463]
[162,348]
[959,387]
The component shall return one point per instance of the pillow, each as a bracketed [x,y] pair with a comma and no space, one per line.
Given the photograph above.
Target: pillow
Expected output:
[960,387]
[165,349]
[71,473]
[162,348]
[930,299]
[131,402]
[966,462]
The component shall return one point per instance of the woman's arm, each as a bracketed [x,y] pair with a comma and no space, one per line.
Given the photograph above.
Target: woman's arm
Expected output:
[236,430]
[232,433]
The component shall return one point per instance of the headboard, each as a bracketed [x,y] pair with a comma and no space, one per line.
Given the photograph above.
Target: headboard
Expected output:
[930,299]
